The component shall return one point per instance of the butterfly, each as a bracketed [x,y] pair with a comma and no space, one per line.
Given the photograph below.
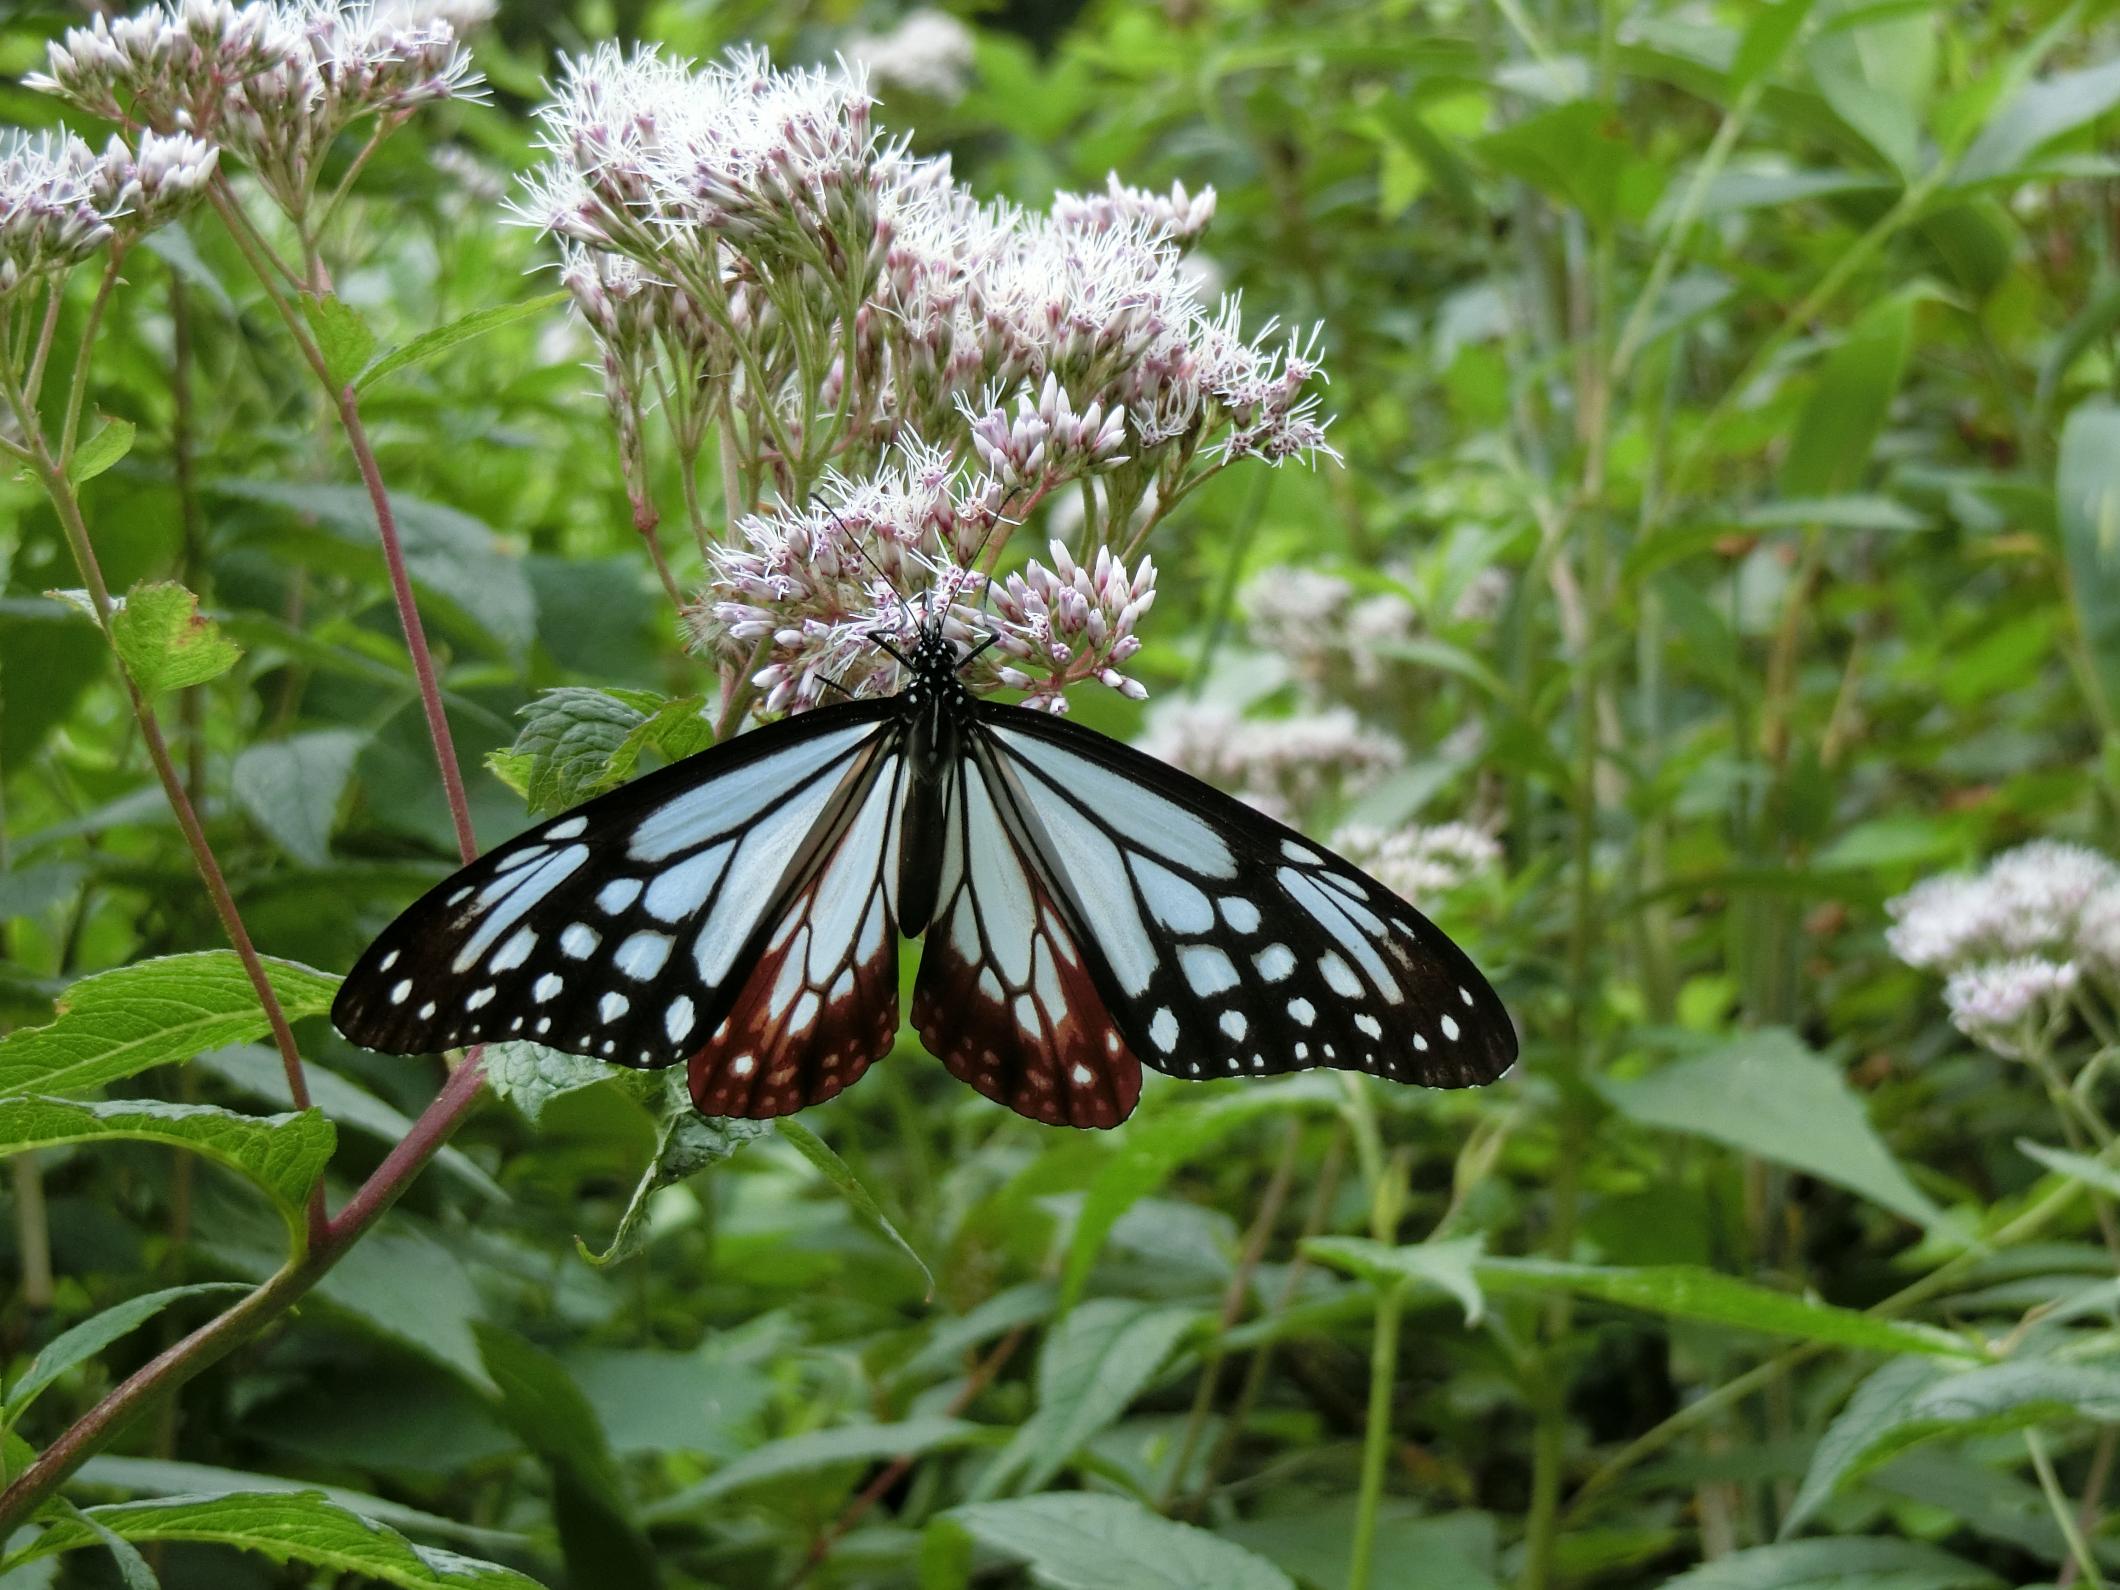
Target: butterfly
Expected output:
[1087,910]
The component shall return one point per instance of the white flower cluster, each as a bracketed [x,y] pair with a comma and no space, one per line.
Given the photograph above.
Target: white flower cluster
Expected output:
[1421,861]
[865,294]
[929,53]
[2014,940]
[1317,622]
[808,595]
[1282,766]
[1178,215]
[273,83]
[61,202]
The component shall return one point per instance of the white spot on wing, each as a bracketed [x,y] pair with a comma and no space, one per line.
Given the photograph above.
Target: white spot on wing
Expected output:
[683,889]
[400,990]
[1303,1011]
[1207,969]
[612,1006]
[513,953]
[677,1020]
[616,895]
[1339,976]
[544,988]
[1171,900]
[642,955]
[1234,1024]
[1450,1027]
[1274,962]
[1239,913]
[568,829]
[579,940]
[1163,1031]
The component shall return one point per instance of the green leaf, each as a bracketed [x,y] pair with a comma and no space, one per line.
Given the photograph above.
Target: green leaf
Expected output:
[1683,1291]
[1449,1266]
[1313,1537]
[686,1143]
[257,1071]
[459,567]
[1848,404]
[2087,505]
[292,788]
[169,1477]
[83,1341]
[1834,513]
[133,1570]
[821,1449]
[530,1076]
[2078,1167]
[1767,1094]
[1876,74]
[342,336]
[1077,1541]
[814,1149]
[285,1527]
[1150,1150]
[1095,1361]
[2035,117]
[1856,1563]
[1910,1401]
[543,1405]
[118,1023]
[1766,39]
[112,440]
[442,338]
[576,742]
[1574,153]
[164,642]
[284,1154]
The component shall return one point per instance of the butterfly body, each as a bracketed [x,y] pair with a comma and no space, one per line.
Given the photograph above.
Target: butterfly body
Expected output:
[1086,910]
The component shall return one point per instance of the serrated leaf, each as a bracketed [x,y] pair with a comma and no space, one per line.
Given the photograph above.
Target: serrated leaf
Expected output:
[1684,1291]
[677,729]
[286,1527]
[1449,1266]
[530,1076]
[292,788]
[82,1342]
[1863,1562]
[1078,1541]
[572,738]
[1766,1093]
[342,336]
[1093,1364]
[461,330]
[256,1070]
[117,1023]
[172,1477]
[836,1171]
[284,1154]
[1910,1401]
[112,440]
[819,1449]
[686,1143]
[164,642]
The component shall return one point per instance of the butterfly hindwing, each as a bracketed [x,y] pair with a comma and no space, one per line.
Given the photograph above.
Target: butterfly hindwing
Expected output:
[818,1003]
[1231,945]
[1006,998]
[615,930]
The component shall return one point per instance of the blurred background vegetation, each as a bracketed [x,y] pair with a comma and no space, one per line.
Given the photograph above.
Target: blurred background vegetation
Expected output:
[1726,528]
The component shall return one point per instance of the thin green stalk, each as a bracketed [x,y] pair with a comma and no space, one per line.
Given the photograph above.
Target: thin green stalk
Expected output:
[1376,1433]
[2064,1515]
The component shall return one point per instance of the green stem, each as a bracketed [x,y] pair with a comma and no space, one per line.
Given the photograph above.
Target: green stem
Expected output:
[1376,1433]
[2064,1515]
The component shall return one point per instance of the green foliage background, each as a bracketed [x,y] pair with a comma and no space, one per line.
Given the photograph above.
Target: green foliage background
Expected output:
[1767,349]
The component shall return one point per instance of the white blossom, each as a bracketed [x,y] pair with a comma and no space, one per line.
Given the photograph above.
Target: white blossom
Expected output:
[1282,764]
[1420,861]
[1178,215]
[2011,1007]
[929,53]
[50,219]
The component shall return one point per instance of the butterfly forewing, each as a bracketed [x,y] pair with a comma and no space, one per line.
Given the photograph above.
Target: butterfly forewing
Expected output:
[1006,997]
[616,930]
[818,1004]
[1229,944]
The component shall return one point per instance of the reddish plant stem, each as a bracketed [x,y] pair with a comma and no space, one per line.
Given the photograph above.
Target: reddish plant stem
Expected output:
[51,475]
[225,1332]
[349,407]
